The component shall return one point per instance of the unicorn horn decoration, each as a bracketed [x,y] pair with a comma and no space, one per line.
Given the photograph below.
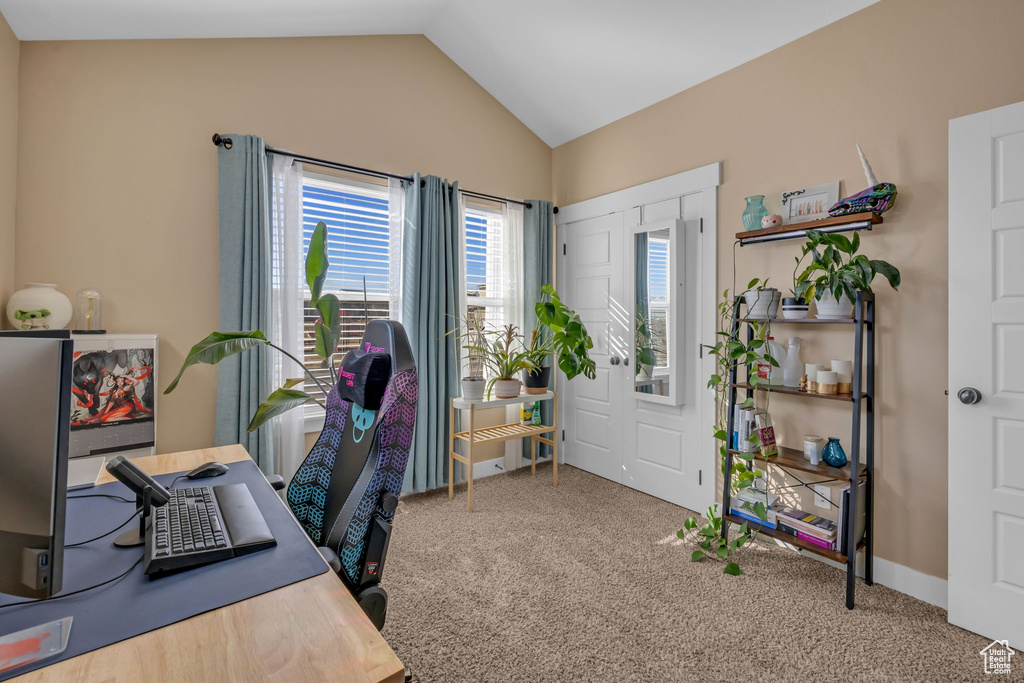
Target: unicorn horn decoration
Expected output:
[868,173]
[879,197]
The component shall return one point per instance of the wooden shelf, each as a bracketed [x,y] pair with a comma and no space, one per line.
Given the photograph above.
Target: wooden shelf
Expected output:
[833,555]
[465,403]
[797,392]
[856,221]
[790,458]
[503,432]
[805,321]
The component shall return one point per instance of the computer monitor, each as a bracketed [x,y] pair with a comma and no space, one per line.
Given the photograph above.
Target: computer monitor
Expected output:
[35,418]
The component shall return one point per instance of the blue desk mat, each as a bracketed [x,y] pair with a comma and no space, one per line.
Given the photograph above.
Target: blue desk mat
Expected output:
[136,604]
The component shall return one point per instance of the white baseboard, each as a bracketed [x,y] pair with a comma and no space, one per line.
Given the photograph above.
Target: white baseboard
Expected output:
[488,468]
[930,589]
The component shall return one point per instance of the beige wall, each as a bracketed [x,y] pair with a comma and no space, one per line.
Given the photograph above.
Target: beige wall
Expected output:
[118,178]
[889,77]
[9,50]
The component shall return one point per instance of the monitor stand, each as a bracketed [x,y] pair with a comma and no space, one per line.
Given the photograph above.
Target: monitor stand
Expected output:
[137,537]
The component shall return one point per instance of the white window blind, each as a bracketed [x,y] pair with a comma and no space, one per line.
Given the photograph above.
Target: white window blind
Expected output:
[657,286]
[484,266]
[359,245]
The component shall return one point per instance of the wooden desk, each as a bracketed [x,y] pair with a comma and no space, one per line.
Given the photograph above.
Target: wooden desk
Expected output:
[312,630]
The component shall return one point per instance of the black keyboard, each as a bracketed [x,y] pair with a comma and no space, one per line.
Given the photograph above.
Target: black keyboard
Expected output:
[204,524]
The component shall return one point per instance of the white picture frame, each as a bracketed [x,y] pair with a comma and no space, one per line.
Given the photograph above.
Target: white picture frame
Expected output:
[808,203]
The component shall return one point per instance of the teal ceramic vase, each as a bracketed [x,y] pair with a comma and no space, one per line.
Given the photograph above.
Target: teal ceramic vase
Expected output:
[754,212]
[834,455]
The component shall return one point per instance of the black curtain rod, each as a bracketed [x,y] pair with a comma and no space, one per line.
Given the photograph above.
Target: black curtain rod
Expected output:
[227,142]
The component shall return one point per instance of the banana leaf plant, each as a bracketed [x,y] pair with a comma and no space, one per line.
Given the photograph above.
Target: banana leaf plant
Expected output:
[327,330]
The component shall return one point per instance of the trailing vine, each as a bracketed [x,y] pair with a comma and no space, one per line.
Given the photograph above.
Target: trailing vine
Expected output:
[732,354]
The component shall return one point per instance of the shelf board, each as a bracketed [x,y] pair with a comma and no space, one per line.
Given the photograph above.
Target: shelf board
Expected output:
[833,555]
[503,432]
[465,403]
[797,392]
[855,221]
[790,458]
[805,321]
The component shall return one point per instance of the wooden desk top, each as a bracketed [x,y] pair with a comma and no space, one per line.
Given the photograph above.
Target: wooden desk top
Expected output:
[312,630]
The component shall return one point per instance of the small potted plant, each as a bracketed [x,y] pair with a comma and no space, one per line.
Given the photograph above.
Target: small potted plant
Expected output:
[569,341]
[504,356]
[537,378]
[837,272]
[474,384]
[762,301]
[795,307]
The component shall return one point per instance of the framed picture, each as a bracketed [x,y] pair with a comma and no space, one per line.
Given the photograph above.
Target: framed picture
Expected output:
[809,203]
[113,395]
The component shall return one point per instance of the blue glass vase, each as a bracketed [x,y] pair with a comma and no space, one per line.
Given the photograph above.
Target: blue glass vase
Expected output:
[834,455]
[754,212]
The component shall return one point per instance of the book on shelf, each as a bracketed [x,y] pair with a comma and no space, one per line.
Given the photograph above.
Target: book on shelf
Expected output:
[752,518]
[819,527]
[844,502]
[743,427]
[752,496]
[766,432]
[828,545]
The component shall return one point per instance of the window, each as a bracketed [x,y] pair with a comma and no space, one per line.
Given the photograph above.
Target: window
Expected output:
[657,286]
[360,249]
[484,267]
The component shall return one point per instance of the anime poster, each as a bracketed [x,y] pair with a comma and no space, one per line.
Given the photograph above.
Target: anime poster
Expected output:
[111,387]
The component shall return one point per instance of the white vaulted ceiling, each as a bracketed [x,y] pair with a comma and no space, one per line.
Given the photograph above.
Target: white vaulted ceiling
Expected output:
[563,67]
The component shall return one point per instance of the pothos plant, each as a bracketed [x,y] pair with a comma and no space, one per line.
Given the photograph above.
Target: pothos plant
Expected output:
[730,354]
[327,330]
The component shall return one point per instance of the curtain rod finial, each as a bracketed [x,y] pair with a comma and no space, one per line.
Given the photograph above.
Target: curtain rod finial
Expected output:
[218,141]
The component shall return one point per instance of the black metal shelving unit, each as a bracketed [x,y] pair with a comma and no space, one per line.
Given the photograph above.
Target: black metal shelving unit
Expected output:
[862,403]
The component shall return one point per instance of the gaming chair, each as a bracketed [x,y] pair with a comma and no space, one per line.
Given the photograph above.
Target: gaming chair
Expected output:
[345,492]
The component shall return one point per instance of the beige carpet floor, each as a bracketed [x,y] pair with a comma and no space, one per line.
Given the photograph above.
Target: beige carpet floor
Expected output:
[588,582]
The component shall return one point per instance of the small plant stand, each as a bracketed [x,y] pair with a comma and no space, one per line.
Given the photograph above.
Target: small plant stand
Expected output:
[514,430]
[861,400]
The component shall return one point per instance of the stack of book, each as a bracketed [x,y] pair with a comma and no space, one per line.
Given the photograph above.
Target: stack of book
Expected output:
[811,528]
[748,421]
[743,506]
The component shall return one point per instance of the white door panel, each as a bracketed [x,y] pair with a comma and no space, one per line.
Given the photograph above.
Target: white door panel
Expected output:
[986,344]
[592,273]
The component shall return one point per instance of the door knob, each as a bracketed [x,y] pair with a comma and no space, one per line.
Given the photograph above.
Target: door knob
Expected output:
[625,361]
[615,360]
[969,396]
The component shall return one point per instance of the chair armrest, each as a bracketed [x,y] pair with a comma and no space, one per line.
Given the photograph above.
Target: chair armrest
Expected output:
[332,558]
[276,481]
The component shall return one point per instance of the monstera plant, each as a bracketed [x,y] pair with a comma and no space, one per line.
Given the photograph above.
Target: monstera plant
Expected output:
[220,345]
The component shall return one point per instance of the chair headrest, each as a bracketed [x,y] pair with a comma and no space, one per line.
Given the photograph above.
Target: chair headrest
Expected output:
[388,336]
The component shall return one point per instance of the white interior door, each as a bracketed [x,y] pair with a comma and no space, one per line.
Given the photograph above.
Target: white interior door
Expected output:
[592,270]
[663,439]
[986,348]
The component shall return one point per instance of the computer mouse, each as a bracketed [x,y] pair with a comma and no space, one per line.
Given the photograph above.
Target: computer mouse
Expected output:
[208,469]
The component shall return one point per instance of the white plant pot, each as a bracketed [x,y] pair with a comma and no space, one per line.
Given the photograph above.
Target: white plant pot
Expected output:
[473,389]
[795,312]
[762,303]
[646,371]
[829,307]
[32,301]
[506,388]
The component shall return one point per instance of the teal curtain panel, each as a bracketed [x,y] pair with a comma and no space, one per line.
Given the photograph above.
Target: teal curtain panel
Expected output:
[538,252]
[431,265]
[244,380]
